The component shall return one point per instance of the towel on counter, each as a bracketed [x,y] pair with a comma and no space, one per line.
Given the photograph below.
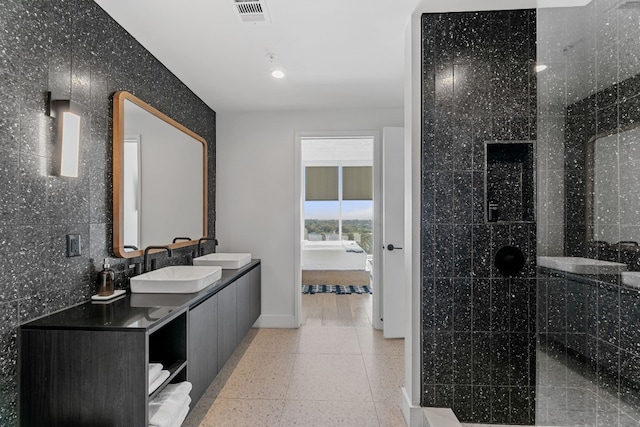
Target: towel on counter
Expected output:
[159,380]
[169,404]
[154,371]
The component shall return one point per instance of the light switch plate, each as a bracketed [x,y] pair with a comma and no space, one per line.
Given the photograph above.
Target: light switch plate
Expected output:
[73,245]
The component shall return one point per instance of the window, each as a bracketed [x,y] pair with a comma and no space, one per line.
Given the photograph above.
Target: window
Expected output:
[339,204]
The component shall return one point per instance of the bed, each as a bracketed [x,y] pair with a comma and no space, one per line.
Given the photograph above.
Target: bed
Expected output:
[341,262]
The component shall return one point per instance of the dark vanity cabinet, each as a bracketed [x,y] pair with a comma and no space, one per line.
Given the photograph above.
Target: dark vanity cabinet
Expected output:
[203,345]
[88,365]
[227,322]
[248,302]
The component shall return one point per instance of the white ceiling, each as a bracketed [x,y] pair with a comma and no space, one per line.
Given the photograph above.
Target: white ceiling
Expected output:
[336,53]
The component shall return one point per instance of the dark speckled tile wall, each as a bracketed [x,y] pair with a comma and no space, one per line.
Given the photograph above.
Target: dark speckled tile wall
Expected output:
[478,333]
[73,49]
[588,326]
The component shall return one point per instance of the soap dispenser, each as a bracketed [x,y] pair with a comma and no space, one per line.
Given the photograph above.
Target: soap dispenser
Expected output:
[106,279]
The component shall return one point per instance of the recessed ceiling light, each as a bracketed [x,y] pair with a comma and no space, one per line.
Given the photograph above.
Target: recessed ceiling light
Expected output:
[277,74]
[540,67]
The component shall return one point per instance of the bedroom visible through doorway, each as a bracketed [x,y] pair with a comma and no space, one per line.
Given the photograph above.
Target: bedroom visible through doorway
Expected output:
[337,248]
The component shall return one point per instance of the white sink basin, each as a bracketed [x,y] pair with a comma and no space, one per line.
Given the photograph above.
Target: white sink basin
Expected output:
[224,260]
[631,278]
[580,265]
[178,279]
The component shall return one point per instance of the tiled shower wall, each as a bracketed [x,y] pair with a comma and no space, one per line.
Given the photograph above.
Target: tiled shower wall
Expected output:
[73,49]
[478,326]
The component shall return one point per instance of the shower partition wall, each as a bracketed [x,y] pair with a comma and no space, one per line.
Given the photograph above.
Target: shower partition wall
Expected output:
[588,354]
[478,328]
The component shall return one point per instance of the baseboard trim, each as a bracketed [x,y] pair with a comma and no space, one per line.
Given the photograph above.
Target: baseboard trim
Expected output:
[440,417]
[275,321]
[412,414]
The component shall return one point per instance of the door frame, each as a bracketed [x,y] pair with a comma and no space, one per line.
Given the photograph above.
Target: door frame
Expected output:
[376,308]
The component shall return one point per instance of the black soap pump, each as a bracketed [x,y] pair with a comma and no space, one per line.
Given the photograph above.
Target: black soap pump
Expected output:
[106,279]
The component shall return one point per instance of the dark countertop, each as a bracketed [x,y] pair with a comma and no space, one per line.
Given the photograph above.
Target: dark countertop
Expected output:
[590,279]
[137,312]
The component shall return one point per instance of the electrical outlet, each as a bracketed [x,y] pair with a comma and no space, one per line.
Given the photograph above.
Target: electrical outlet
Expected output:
[73,245]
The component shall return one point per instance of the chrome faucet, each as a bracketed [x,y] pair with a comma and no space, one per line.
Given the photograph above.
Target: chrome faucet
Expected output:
[146,255]
[203,239]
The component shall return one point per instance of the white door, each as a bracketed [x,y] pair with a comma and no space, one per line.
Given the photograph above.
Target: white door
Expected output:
[393,255]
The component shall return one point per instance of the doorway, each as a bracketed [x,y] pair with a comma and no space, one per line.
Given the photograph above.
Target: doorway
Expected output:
[338,226]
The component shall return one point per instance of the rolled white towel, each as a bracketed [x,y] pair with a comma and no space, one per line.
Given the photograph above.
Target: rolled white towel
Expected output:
[172,413]
[181,416]
[159,380]
[168,404]
[154,371]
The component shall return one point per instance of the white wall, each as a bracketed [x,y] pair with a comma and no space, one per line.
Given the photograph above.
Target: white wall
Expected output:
[255,196]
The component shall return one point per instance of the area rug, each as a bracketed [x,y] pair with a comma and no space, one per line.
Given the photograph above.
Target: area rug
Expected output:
[336,289]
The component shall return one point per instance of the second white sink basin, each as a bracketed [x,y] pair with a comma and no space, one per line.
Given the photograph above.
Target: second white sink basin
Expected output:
[580,265]
[177,279]
[224,260]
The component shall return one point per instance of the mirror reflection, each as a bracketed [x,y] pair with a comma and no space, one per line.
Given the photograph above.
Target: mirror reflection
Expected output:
[616,188]
[159,178]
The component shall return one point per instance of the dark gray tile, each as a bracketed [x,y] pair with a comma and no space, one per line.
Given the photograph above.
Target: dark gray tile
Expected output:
[462,308]
[500,405]
[481,342]
[522,405]
[428,358]
[443,250]
[520,301]
[428,304]
[443,305]
[462,197]
[500,295]
[462,402]
[500,367]
[443,361]
[481,404]
[481,305]
[462,251]
[444,198]
[462,358]
[482,256]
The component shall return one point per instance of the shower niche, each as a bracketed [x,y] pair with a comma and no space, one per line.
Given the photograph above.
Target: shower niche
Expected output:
[509,181]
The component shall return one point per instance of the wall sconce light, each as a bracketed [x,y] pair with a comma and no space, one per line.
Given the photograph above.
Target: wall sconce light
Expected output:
[67,129]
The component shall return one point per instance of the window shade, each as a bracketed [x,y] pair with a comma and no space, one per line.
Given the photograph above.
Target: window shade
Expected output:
[321,183]
[357,183]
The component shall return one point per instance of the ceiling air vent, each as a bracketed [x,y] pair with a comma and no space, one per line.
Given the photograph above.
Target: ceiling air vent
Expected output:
[251,11]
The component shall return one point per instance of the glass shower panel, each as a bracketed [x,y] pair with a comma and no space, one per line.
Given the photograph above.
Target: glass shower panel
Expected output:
[588,210]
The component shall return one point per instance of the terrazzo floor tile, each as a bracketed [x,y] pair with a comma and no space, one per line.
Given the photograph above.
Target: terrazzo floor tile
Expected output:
[310,413]
[320,370]
[386,376]
[389,414]
[260,376]
[328,340]
[372,341]
[336,310]
[244,413]
[332,377]
[275,341]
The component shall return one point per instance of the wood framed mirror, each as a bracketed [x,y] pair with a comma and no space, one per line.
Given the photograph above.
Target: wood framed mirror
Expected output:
[159,179]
